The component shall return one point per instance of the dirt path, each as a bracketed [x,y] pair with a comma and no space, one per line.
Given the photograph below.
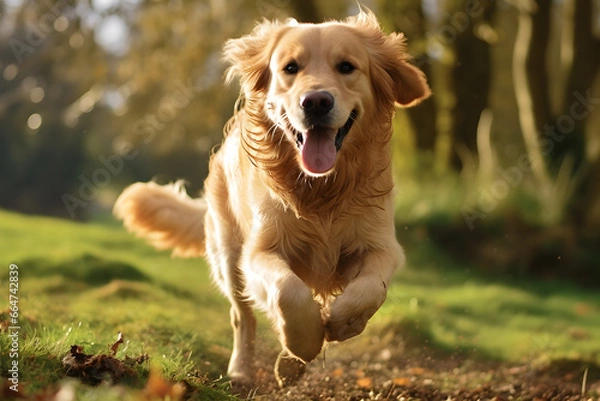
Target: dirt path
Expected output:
[397,373]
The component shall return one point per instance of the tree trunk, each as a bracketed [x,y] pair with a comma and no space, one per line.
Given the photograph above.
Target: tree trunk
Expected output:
[589,213]
[556,144]
[423,121]
[470,77]
[530,80]
[305,11]
[584,49]
[407,17]
[585,210]
[585,57]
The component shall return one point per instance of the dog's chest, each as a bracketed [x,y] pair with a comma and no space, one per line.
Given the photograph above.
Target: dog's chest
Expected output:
[325,254]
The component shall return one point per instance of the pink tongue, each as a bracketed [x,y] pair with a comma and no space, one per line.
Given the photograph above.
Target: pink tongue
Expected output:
[318,151]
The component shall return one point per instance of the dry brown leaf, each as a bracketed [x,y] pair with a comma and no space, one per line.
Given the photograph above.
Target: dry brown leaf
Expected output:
[416,371]
[583,309]
[115,347]
[364,382]
[401,381]
[158,388]
[93,369]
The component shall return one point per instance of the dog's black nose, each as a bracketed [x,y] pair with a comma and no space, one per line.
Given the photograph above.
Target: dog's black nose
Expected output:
[317,103]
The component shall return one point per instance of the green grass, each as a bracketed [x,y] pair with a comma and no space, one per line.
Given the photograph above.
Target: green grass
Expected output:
[495,317]
[83,283]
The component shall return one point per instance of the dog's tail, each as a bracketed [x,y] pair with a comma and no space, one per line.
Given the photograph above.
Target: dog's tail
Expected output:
[165,216]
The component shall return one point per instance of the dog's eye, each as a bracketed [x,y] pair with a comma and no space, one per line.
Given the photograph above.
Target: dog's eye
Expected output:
[346,67]
[291,68]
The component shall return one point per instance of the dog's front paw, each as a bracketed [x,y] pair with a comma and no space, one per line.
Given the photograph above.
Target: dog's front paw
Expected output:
[350,312]
[342,325]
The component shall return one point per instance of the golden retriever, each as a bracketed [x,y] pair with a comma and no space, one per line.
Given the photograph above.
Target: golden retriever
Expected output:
[297,213]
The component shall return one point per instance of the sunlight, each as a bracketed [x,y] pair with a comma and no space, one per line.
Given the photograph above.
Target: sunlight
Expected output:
[34,121]
[10,72]
[37,94]
[113,35]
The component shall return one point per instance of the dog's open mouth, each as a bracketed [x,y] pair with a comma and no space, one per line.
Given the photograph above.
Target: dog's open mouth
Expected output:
[319,145]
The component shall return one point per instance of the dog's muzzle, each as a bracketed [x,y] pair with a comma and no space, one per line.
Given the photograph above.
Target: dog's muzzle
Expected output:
[319,146]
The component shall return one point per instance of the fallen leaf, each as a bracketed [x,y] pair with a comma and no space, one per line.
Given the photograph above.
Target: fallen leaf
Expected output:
[579,334]
[401,381]
[158,388]
[583,309]
[364,382]
[416,371]
[115,347]
[337,372]
[92,369]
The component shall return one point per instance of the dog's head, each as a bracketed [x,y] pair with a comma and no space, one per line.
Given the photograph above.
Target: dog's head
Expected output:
[321,84]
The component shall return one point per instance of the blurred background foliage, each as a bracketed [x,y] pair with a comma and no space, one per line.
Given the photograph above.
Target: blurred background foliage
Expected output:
[501,165]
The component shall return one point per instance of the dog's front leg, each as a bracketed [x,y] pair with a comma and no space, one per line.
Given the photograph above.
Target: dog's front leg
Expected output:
[362,297]
[289,303]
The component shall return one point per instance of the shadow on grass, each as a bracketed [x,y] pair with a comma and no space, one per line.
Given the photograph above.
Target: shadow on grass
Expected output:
[458,308]
[440,267]
[88,270]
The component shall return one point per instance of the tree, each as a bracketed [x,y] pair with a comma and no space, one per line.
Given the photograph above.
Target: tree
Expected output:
[408,17]
[470,73]
[556,143]
[530,79]
[305,11]
[42,153]
[581,54]
[584,48]
[459,34]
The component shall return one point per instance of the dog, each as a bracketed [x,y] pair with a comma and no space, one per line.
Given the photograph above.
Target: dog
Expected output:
[297,213]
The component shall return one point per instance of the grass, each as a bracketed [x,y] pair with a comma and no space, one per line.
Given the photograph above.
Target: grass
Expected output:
[83,283]
[495,317]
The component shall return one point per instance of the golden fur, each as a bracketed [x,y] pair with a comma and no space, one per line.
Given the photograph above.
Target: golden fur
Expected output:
[313,247]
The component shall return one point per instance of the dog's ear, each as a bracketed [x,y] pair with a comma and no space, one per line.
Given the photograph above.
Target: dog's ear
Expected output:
[393,78]
[249,56]
[410,84]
